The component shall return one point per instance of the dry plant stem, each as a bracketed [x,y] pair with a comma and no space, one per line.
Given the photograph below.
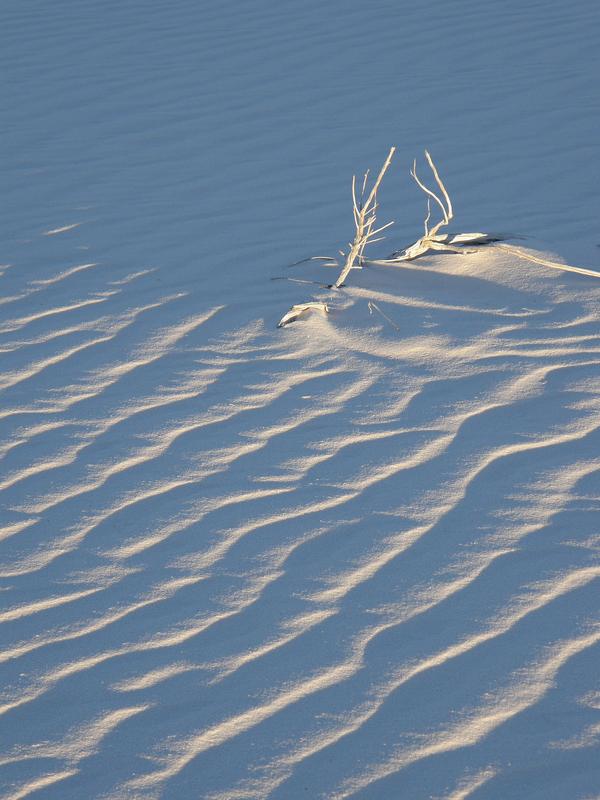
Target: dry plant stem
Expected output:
[300,280]
[364,221]
[432,239]
[374,307]
[330,259]
[552,264]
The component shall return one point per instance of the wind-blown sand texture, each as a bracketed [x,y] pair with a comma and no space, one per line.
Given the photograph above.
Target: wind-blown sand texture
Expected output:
[353,558]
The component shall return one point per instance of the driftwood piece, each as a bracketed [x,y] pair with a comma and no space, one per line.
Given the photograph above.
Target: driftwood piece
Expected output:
[299,310]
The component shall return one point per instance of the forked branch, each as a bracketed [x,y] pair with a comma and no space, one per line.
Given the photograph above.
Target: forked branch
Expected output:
[365,216]
[447,213]
[432,239]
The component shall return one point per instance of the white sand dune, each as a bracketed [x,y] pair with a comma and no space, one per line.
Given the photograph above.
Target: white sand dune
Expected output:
[357,557]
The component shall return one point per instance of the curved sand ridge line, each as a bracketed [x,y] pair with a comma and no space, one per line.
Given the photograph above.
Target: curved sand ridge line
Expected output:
[38,285]
[547,593]
[478,725]
[219,460]
[315,530]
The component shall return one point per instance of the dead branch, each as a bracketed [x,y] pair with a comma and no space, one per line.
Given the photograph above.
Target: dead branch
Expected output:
[432,239]
[546,263]
[299,309]
[365,215]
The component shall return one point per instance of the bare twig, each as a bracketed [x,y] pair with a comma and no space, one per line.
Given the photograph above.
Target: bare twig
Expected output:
[374,307]
[332,261]
[365,214]
[432,239]
[300,280]
[552,264]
